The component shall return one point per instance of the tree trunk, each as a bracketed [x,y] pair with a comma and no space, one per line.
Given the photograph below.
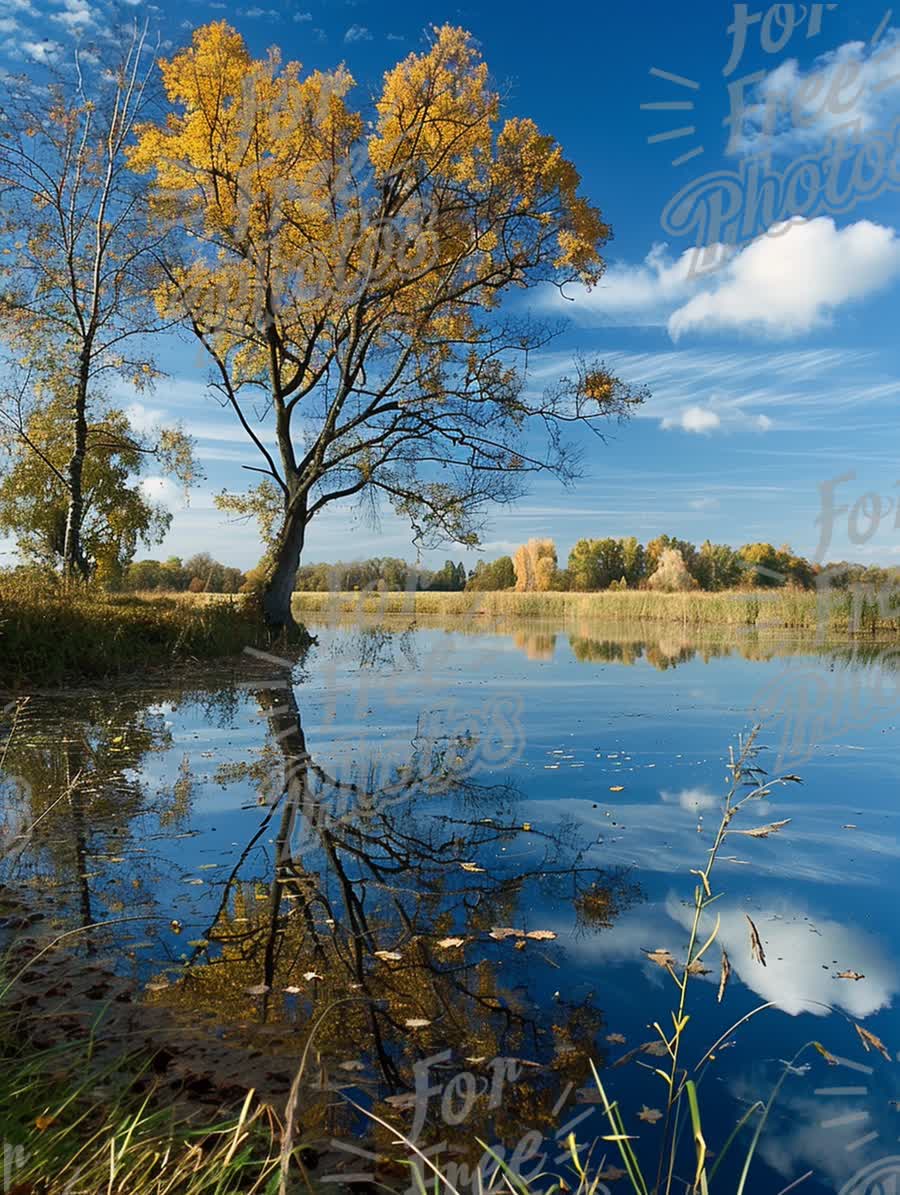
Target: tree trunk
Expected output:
[282,575]
[74,563]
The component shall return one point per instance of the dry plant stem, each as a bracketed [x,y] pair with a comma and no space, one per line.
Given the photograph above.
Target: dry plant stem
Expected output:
[703,898]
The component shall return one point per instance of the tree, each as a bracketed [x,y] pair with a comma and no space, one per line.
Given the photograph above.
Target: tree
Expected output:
[491,577]
[671,575]
[535,565]
[633,562]
[352,277]
[596,563]
[450,579]
[74,288]
[115,513]
[718,566]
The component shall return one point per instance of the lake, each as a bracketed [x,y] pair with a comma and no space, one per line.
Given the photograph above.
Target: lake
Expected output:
[443,859]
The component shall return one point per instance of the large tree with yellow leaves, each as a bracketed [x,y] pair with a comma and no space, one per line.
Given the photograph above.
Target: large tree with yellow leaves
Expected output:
[346,278]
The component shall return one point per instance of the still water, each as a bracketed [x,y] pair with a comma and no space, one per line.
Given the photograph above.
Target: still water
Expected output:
[437,858]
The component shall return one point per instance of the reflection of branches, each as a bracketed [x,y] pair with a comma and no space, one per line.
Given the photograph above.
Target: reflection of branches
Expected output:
[372,901]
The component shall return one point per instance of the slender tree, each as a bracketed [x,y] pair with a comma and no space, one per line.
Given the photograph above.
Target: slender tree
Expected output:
[348,276]
[75,247]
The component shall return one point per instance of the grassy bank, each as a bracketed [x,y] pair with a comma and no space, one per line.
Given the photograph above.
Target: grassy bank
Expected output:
[48,638]
[836,613]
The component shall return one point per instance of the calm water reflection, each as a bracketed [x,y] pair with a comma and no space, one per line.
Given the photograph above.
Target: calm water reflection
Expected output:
[442,852]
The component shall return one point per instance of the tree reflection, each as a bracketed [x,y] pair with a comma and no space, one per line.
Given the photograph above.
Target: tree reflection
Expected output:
[393,919]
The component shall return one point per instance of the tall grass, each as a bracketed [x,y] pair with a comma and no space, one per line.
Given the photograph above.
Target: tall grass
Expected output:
[49,638]
[760,609]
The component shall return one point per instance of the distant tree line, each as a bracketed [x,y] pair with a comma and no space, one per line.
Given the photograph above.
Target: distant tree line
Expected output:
[198,574]
[666,564]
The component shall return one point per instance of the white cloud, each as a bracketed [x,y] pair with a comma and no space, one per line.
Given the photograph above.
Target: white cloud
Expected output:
[791,109]
[357,33]
[76,16]
[788,285]
[784,284]
[694,419]
[44,53]
[302,16]
[712,418]
[694,800]
[162,490]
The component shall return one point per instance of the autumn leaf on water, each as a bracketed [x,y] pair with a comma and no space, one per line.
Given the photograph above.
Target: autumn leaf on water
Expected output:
[501,933]
[416,1023]
[471,867]
[449,943]
[763,831]
[617,1039]
[756,946]
[724,976]
[259,990]
[617,788]
[541,935]
[849,975]
[650,1115]
[611,1174]
[310,975]
[352,1065]
[871,1042]
[389,956]
[661,957]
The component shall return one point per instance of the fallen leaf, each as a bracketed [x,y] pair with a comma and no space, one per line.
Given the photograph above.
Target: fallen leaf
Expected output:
[259,990]
[587,1095]
[42,1123]
[763,831]
[611,1174]
[352,1065]
[617,1039]
[389,956]
[310,975]
[471,867]
[405,1100]
[724,976]
[849,975]
[541,935]
[756,946]
[416,1023]
[661,957]
[871,1042]
[617,788]
[500,934]
[650,1115]
[292,990]
[521,944]
[449,943]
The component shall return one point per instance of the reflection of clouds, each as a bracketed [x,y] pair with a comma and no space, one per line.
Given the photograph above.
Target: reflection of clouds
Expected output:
[800,950]
[693,799]
[799,976]
[661,836]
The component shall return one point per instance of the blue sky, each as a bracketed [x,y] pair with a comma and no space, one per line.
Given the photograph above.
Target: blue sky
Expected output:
[769,375]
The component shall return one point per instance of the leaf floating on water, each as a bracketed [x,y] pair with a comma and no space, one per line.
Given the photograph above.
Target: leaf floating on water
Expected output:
[352,1065]
[526,826]
[389,956]
[655,1048]
[587,1095]
[763,831]
[661,957]
[310,975]
[156,987]
[826,1054]
[650,1115]
[617,788]
[416,1023]
[541,935]
[500,934]
[471,867]
[293,990]
[724,976]
[258,989]
[871,1042]
[450,943]
[756,946]
[521,944]
[849,975]
[405,1100]
[617,1039]
[198,943]
[611,1174]
[175,927]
